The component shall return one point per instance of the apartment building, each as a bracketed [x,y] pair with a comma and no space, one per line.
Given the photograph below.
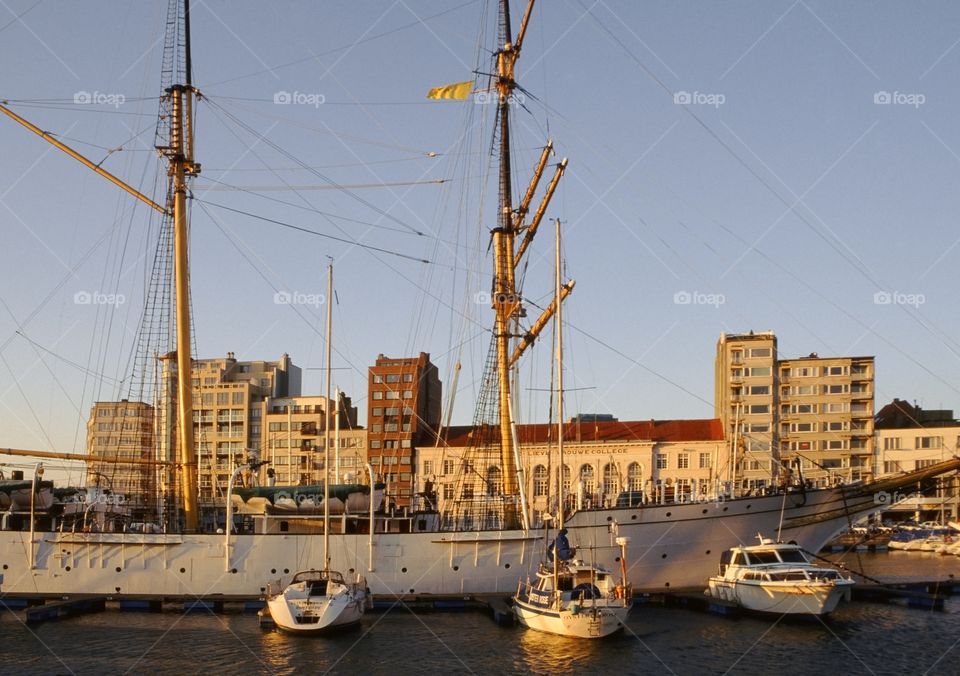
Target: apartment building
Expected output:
[818,410]
[122,430]
[403,416]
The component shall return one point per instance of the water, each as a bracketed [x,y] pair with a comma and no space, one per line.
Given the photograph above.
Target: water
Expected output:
[859,639]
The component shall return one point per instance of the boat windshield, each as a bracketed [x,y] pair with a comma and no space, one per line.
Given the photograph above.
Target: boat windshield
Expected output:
[763,557]
[792,556]
[790,575]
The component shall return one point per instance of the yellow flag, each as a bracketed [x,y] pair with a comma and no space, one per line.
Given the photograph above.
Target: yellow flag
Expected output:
[460,91]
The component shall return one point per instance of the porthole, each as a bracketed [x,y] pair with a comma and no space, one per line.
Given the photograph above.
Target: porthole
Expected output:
[663,556]
[617,559]
[609,518]
[634,517]
[118,569]
[403,570]
[704,511]
[749,506]
[183,570]
[67,569]
[5,566]
[708,552]
[667,584]
[725,508]
[233,570]
[273,571]
[669,514]
[412,591]
[351,571]
[456,567]
[506,565]
[286,571]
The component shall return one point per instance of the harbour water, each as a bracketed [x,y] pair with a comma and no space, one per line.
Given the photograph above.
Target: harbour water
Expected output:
[860,638]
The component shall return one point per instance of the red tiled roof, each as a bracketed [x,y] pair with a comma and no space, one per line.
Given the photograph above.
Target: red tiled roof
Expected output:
[709,429]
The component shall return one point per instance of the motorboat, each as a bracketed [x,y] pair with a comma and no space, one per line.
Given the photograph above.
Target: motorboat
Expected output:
[776,577]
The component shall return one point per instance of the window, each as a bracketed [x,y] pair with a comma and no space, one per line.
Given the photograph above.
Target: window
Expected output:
[928,442]
[448,467]
[634,477]
[759,408]
[376,428]
[836,389]
[803,408]
[836,444]
[683,460]
[611,478]
[801,390]
[408,377]
[758,371]
[448,491]
[392,395]
[836,426]
[661,461]
[427,467]
[540,481]
[377,412]
[393,377]
[587,478]
[704,460]
[377,379]
[760,389]
[891,444]
[835,370]
[836,408]
[803,372]
[374,443]
[802,427]
[404,443]
[238,397]
[758,427]
[760,352]
[377,395]
[223,398]
[408,394]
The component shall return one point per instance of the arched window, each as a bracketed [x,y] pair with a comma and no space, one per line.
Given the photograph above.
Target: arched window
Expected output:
[634,477]
[540,481]
[611,478]
[586,476]
[566,479]
[494,481]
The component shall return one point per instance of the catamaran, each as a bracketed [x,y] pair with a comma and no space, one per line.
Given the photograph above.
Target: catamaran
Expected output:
[490,538]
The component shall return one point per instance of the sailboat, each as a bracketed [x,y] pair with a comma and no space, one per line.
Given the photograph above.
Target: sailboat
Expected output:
[672,545]
[570,597]
[320,600]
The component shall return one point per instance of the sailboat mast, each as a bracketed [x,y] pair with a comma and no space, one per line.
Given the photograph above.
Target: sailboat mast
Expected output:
[557,290]
[326,427]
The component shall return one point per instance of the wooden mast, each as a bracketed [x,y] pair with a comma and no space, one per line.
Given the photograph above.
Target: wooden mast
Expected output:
[326,428]
[180,156]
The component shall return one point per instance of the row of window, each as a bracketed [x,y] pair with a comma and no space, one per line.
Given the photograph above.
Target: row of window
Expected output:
[378,411]
[391,394]
[390,443]
[393,378]
[894,443]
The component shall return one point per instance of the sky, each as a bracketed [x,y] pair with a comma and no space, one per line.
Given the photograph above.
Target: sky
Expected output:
[735,166]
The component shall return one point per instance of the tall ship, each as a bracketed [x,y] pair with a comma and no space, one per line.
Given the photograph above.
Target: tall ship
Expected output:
[486,540]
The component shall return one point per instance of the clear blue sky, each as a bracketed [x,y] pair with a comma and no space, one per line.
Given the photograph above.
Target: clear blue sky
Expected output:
[814,166]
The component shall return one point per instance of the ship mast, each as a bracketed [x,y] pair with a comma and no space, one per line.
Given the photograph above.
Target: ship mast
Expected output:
[179,154]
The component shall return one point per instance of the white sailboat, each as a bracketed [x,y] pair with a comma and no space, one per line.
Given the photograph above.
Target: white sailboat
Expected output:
[320,600]
[570,597]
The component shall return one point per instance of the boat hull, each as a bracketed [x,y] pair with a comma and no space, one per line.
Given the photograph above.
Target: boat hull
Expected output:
[787,599]
[672,546]
[328,614]
[584,621]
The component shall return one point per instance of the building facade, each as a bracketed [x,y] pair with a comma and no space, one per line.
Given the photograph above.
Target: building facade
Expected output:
[403,416]
[653,461]
[122,430]
[815,410]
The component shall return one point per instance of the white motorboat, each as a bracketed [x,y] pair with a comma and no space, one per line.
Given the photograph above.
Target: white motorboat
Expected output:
[317,601]
[774,577]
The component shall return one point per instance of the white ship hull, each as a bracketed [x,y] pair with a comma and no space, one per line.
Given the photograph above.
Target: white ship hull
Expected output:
[672,546]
